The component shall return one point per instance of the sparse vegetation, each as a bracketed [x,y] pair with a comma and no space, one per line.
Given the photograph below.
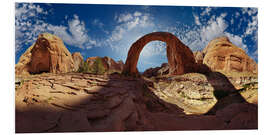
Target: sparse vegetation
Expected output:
[96,68]
[248,86]
[84,68]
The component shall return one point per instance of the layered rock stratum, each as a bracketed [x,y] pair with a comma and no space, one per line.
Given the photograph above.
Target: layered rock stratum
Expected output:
[47,54]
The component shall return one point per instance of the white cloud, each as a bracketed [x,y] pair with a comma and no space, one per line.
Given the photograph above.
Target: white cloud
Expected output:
[78,31]
[197,21]
[154,48]
[127,32]
[206,11]
[78,36]
[237,14]
[28,26]
[249,11]
[236,40]
[128,22]
[26,17]
[198,37]
[252,26]
[98,23]
[124,18]
[215,29]
[137,13]
[117,34]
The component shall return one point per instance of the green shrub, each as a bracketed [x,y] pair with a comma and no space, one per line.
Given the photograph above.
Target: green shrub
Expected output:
[84,68]
[96,68]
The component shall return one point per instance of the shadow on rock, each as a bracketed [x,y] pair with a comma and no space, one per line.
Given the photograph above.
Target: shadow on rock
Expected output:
[231,107]
[76,102]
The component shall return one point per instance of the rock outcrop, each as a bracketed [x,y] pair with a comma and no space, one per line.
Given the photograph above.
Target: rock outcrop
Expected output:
[78,60]
[47,54]
[108,63]
[180,57]
[157,71]
[198,55]
[221,55]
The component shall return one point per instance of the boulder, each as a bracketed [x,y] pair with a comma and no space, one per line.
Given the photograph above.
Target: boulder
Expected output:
[47,54]
[221,55]
[157,71]
[78,60]
[198,55]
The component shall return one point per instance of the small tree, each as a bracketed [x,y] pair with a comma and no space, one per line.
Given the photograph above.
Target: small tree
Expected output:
[84,68]
[98,67]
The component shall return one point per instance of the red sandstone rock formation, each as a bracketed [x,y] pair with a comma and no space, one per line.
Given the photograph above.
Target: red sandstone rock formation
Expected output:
[221,54]
[108,63]
[180,57]
[48,54]
[78,60]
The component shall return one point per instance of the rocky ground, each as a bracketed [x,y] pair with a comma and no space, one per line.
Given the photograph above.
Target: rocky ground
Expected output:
[71,102]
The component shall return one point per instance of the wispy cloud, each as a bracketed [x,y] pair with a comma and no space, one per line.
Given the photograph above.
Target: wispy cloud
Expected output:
[98,23]
[197,21]
[28,25]
[128,22]
[197,37]
[129,28]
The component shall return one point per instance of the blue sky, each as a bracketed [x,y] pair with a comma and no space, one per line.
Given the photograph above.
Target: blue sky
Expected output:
[109,30]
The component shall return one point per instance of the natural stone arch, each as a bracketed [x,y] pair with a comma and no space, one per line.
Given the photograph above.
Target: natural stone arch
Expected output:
[180,57]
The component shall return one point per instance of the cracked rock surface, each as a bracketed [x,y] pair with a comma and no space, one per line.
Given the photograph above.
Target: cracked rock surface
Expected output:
[76,102]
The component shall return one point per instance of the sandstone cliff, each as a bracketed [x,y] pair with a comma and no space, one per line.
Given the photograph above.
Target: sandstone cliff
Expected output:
[221,55]
[47,54]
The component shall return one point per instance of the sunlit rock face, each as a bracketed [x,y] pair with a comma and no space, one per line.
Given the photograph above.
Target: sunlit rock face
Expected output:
[47,54]
[78,60]
[180,57]
[221,54]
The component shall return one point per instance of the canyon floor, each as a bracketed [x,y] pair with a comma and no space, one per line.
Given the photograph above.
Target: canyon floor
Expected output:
[77,102]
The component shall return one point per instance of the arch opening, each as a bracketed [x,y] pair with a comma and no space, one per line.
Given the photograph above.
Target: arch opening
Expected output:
[153,55]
